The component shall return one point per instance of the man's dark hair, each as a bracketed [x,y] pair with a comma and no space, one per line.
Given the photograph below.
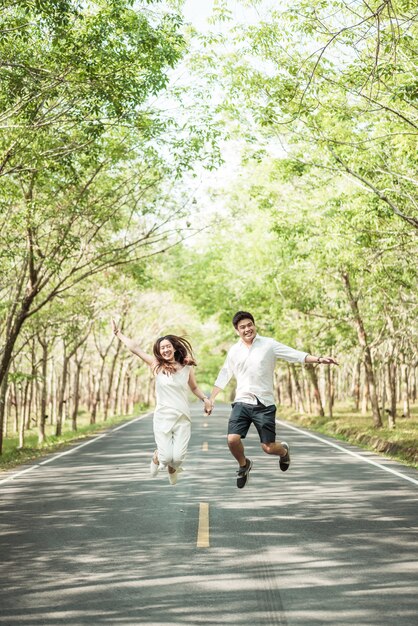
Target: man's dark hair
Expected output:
[241,315]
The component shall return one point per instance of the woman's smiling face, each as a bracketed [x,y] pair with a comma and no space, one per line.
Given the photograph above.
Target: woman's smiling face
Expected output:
[167,350]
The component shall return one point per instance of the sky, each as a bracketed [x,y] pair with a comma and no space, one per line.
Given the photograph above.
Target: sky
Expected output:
[197,13]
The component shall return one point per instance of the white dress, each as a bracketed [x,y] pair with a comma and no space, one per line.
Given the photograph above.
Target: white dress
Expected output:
[172,418]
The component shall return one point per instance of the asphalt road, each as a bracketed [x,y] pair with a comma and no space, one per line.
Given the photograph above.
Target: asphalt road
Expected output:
[87,537]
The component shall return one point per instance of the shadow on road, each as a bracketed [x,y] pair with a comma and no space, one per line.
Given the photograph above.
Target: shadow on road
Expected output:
[91,539]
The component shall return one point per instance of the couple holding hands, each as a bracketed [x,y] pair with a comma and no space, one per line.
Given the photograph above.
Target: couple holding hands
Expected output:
[251,361]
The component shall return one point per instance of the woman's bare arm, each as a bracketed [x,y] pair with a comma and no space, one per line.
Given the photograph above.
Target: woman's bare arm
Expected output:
[199,393]
[133,346]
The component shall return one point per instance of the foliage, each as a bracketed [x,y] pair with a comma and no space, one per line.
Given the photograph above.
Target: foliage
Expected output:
[336,81]
[88,163]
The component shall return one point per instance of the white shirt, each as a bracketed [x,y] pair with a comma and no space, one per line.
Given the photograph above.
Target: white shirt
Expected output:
[253,367]
[172,397]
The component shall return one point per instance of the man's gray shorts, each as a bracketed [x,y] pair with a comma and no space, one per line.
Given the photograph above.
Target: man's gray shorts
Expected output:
[263,418]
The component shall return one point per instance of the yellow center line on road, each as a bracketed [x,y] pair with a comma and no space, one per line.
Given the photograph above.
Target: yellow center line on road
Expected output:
[205,446]
[203,528]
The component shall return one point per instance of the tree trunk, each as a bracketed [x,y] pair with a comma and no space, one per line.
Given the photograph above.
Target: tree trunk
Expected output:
[414,384]
[30,401]
[3,399]
[368,363]
[68,404]
[289,387]
[61,399]
[7,413]
[317,395]
[277,387]
[356,385]
[391,411]
[15,403]
[95,394]
[405,390]
[52,387]
[77,376]
[13,328]
[98,397]
[307,387]
[127,393]
[42,417]
[330,390]
[90,390]
[384,393]
[365,397]
[111,381]
[32,388]
[24,416]
[116,390]
[298,389]
[121,391]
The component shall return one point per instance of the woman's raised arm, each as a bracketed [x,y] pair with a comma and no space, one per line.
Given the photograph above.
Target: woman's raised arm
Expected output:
[132,345]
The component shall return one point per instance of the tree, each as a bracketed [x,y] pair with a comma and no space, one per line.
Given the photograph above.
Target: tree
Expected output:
[333,84]
[86,181]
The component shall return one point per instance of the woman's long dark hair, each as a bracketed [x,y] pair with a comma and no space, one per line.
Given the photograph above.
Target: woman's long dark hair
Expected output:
[183,354]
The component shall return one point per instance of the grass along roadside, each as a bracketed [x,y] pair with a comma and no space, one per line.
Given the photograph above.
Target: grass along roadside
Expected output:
[400,443]
[13,457]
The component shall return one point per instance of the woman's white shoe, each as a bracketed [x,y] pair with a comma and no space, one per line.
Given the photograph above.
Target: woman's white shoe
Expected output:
[154,467]
[172,478]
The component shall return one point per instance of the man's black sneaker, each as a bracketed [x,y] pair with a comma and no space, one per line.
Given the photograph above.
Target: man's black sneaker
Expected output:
[244,474]
[285,460]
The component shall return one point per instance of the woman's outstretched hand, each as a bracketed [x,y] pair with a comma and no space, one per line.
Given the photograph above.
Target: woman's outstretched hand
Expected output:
[114,327]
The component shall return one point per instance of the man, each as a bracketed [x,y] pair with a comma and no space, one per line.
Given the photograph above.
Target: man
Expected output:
[252,361]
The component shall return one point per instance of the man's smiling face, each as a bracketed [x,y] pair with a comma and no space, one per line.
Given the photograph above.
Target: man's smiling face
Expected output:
[246,330]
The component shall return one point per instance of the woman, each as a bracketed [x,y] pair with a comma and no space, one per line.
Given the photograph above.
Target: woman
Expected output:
[172,366]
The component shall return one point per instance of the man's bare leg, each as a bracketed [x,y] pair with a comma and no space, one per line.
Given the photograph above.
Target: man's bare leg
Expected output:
[274,448]
[245,465]
[281,450]
[237,449]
